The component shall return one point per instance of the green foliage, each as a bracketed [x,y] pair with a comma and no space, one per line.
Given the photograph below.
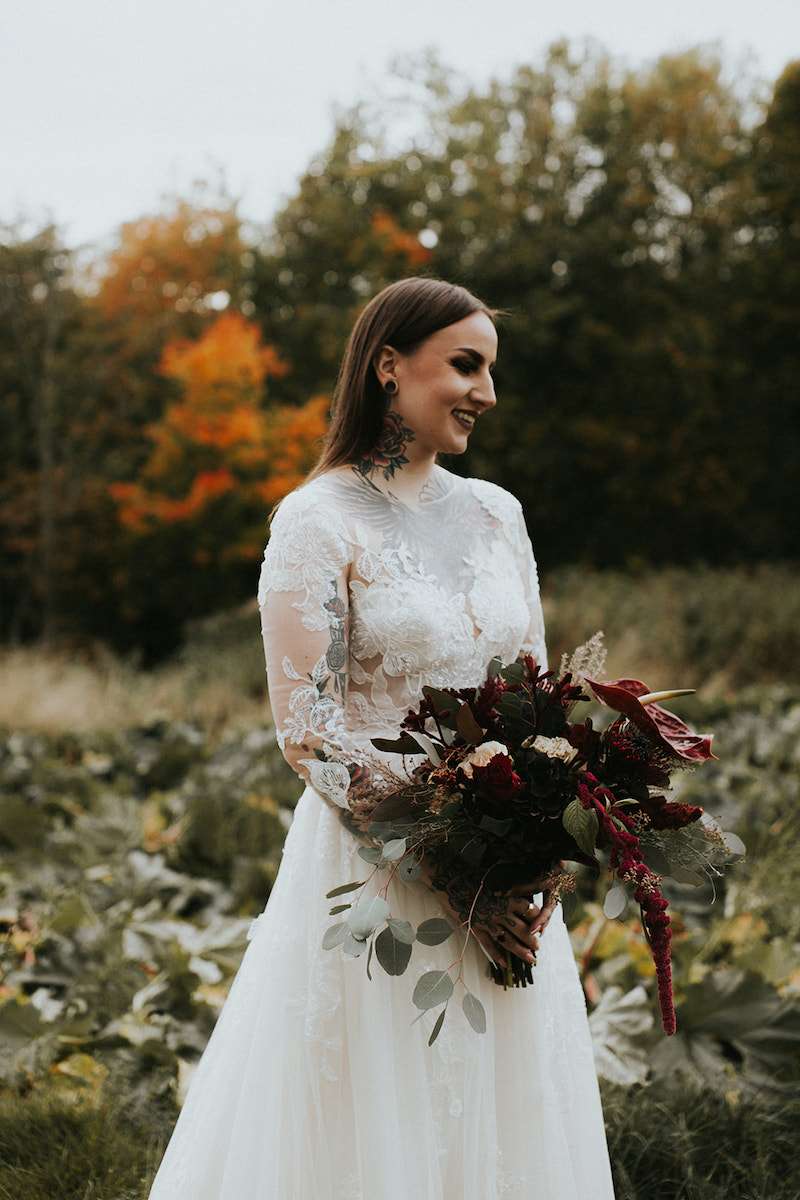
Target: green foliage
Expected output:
[712,1148]
[637,225]
[712,628]
[735,960]
[54,1147]
[121,927]
[139,860]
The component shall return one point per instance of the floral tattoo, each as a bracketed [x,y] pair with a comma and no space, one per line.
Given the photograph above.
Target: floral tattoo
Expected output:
[388,453]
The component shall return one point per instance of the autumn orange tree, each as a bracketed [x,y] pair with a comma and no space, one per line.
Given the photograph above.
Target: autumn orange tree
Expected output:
[220,456]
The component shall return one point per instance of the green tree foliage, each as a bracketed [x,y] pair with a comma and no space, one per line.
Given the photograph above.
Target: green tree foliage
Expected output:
[639,225]
[605,208]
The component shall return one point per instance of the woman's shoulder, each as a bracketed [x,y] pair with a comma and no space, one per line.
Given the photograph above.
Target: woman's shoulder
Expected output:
[307,511]
[497,500]
[309,496]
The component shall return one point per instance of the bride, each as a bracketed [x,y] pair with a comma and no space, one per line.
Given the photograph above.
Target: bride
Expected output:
[385,572]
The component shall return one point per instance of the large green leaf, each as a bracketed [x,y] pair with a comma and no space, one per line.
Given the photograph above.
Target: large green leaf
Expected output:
[468,727]
[392,952]
[733,1024]
[432,988]
[474,1012]
[434,931]
[581,824]
[618,1025]
[401,745]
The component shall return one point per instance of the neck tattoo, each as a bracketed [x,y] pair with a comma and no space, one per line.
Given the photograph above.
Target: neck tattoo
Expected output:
[387,456]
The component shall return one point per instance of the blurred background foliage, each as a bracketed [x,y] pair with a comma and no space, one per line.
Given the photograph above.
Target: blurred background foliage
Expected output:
[642,227]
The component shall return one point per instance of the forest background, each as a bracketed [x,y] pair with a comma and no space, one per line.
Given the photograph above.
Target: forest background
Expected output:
[640,225]
[642,228]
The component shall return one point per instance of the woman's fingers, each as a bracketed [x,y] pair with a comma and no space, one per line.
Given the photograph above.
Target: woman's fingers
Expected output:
[492,948]
[548,908]
[517,936]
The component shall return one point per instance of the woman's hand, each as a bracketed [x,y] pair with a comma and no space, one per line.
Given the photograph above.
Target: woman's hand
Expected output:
[539,917]
[518,928]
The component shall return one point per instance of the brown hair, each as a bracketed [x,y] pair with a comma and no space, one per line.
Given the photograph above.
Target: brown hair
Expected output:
[402,315]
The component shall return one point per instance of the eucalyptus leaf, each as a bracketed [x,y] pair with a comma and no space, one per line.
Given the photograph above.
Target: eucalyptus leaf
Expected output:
[615,901]
[432,988]
[366,915]
[393,954]
[474,1012]
[353,946]
[403,930]
[335,935]
[395,849]
[337,908]
[434,931]
[437,1026]
[409,869]
[345,887]
[734,842]
[370,854]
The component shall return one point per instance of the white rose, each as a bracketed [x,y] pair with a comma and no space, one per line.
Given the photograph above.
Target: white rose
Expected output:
[481,756]
[556,747]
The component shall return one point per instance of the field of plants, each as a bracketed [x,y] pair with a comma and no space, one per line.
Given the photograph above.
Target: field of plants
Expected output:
[141,822]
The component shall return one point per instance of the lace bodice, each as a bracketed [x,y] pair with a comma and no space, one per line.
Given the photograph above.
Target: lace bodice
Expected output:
[364,599]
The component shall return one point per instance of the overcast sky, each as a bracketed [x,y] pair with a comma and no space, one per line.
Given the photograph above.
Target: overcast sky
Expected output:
[105,105]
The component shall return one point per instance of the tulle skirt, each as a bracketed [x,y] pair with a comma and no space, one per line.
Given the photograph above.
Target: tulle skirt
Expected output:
[318,1084]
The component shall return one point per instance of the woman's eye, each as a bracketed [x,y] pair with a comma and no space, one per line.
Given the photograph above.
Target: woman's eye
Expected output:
[467,367]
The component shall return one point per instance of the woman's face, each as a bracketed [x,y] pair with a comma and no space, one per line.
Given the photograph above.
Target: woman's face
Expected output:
[452,369]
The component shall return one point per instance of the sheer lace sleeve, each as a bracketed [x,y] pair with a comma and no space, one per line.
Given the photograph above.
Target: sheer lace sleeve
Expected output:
[534,639]
[305,615]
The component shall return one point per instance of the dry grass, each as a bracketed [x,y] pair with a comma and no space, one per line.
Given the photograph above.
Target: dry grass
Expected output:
[49,691]
[713,629]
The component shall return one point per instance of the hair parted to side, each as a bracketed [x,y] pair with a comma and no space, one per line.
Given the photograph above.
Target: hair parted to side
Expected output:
[402,315]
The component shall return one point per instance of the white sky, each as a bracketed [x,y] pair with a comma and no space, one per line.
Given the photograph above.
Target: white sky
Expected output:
[105,105]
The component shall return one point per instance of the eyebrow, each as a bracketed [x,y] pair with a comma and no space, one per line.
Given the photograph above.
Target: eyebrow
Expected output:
[477,354]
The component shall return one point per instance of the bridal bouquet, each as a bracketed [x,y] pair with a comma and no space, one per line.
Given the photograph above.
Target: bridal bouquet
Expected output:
[508,790]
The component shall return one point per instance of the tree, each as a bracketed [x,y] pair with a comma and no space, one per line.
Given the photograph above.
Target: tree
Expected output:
[220,456]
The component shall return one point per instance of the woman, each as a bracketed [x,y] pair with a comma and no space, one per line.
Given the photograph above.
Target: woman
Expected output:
[385,572]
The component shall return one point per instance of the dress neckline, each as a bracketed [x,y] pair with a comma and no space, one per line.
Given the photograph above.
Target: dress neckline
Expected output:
[441,481]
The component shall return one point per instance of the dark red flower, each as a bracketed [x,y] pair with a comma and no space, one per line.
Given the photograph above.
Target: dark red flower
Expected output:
[498,778]
[659,725]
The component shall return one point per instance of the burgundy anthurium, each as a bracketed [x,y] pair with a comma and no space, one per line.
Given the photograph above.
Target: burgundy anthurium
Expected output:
[658,724]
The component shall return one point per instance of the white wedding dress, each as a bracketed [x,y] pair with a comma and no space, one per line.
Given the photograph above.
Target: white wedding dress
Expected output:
[317,1083]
